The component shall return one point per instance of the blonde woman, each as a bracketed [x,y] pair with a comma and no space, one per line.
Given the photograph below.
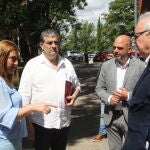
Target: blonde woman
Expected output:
[12,122]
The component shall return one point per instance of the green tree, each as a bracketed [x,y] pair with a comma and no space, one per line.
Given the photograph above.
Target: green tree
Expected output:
[82,40]
[69,42]
[119,20]
[99,38]
[27,18]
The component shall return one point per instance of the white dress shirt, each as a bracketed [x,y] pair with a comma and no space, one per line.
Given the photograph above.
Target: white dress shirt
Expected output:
[147,60]
[121,71]
[41,83]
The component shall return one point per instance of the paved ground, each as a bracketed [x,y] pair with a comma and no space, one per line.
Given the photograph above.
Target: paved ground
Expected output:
[85,113]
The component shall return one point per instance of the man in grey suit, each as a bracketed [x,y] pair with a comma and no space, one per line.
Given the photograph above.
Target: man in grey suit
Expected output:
[115,84]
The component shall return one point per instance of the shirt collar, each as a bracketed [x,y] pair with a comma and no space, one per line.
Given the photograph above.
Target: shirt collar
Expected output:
[147,60]
[124,66]
[61,60]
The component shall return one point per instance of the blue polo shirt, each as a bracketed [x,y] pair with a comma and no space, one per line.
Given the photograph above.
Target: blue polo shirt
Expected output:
[10,102]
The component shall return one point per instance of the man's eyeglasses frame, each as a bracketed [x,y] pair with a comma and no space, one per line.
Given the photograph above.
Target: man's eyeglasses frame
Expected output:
[136,35]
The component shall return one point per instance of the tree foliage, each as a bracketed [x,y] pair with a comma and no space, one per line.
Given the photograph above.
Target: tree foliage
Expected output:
[119,20]
[99,38]
[23,21]
[82,39]
[27,18]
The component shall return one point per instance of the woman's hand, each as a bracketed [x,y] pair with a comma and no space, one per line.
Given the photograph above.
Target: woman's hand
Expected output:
[43,107]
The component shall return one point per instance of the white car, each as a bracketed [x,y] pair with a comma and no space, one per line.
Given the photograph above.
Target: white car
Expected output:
[74,55]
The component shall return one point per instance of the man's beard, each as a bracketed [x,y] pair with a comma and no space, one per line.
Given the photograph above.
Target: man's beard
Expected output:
[119,58]
[122,59]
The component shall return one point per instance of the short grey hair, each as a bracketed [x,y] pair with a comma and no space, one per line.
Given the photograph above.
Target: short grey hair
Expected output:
[143,16]
[48,33]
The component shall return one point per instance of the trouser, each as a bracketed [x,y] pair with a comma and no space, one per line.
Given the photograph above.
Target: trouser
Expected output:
[116,131]
[53,139]
[102,128]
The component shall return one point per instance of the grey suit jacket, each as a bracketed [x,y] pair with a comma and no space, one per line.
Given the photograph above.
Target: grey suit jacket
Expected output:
[107,83]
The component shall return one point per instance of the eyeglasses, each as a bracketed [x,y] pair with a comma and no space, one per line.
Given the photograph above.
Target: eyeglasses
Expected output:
[14,58]
[51,42]
[136,35]
[120,48]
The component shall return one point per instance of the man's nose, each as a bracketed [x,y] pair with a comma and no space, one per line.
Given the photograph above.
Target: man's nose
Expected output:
[115,49]
[54,44]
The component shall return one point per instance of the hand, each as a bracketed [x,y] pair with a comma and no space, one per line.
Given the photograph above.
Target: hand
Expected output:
[124,93]
[43,107]
[70,101]
[121,94]
[114,100]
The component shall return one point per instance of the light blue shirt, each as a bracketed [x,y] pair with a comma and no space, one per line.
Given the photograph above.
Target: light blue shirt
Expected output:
[10,102]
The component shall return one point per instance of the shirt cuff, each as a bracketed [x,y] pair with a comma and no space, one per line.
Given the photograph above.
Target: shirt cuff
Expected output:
[109,98]
[8,121]
[128,96]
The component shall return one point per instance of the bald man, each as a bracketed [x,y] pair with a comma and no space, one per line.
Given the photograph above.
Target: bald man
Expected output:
[115,84]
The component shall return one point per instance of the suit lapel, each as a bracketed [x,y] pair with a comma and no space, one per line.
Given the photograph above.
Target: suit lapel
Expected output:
[144,74]
[127,74]
[114,75]
[128,71]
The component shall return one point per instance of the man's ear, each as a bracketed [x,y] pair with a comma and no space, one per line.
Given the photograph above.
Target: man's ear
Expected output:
[41,45]
[130,49]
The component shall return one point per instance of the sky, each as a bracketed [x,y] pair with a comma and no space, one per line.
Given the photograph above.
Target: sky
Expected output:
[92,12]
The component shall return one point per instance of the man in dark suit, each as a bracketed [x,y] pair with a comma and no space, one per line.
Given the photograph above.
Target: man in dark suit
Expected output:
[139,105]
[115,84]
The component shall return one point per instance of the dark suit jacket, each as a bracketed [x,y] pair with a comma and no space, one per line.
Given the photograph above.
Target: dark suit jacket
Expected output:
[107,83]
[139,105]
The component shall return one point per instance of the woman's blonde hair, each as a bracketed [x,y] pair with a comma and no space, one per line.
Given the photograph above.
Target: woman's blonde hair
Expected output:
[6,47]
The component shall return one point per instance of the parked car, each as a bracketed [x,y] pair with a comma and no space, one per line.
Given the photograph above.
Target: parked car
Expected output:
[74,55]
[100,56]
